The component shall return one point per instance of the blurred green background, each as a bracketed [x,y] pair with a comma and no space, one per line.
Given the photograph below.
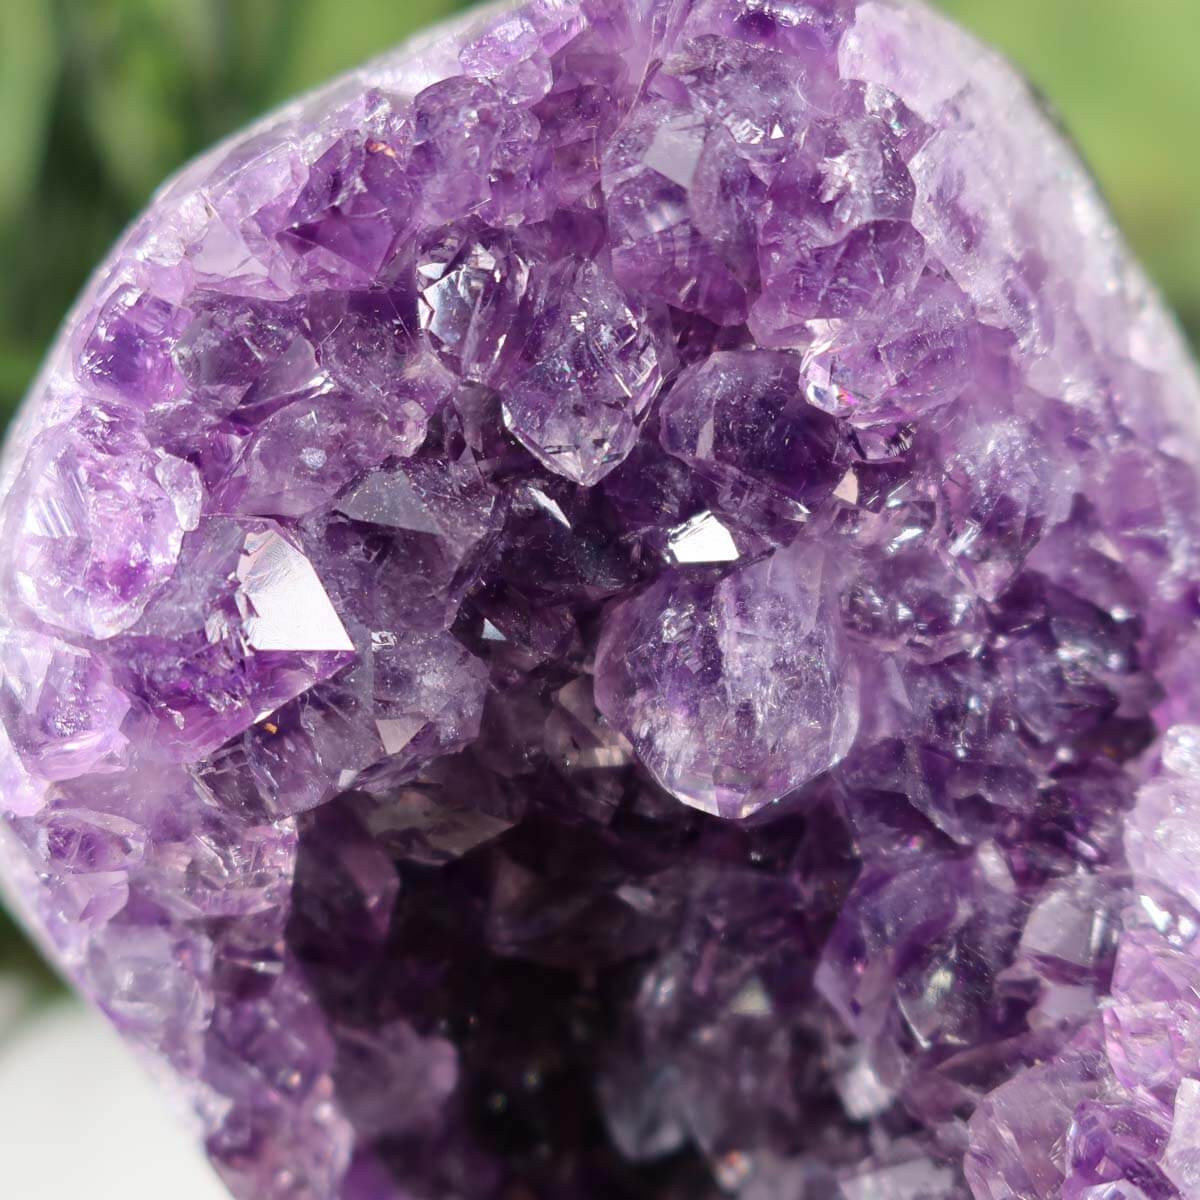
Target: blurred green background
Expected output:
[100,99]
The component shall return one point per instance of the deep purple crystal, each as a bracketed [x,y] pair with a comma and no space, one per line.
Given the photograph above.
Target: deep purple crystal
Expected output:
[606,610]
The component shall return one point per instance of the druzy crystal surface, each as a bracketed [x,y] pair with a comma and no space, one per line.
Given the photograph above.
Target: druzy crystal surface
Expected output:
[605,609]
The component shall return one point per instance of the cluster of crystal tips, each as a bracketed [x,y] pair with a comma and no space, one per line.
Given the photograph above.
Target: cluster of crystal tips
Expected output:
[604,609]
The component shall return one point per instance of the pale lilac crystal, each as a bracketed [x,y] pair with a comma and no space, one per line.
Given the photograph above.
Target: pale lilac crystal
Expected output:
[100,522]
[733,690]
[579,384]
[606,607]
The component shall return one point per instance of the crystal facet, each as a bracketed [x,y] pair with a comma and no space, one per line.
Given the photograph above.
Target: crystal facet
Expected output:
[606,608]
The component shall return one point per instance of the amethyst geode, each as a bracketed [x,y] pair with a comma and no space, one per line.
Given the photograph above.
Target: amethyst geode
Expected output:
[606,609]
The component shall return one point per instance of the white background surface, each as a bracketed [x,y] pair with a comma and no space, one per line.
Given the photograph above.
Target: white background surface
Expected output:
[80,1121]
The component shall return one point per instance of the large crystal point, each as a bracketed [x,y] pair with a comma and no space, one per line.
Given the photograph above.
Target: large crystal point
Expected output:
[605,609]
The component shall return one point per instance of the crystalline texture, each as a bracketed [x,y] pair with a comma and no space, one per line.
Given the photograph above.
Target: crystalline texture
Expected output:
[733,691]
[605,610]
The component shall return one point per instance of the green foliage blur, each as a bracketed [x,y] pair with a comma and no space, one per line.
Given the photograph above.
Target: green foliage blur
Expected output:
[101,99]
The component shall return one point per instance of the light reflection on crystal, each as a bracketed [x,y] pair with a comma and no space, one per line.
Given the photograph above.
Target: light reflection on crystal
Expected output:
[702,539]
[287,609]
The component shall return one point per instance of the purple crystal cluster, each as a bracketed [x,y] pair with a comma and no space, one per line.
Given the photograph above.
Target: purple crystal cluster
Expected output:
[606,609]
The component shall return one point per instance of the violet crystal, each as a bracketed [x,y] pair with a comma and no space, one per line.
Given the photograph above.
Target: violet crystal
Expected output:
[605,609]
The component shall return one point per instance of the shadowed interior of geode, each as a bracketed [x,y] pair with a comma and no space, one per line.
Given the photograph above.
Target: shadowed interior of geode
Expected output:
[605,610]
